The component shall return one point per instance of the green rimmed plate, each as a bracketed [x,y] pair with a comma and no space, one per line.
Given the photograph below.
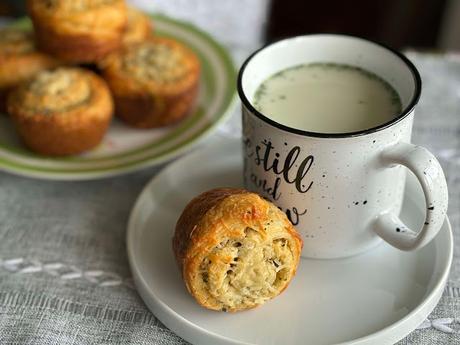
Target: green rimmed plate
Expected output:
[125,149]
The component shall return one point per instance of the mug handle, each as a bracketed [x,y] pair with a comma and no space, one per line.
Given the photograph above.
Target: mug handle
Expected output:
[431,177]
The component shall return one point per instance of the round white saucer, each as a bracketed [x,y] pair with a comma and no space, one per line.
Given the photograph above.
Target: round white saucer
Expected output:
[374,298]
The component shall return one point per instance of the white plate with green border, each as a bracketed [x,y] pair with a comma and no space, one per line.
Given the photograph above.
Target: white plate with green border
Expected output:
[126,149]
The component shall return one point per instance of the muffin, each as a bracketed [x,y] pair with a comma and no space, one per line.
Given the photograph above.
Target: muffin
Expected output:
[235,250]
[78,31]
[139,27]
[154,83]
[61,112]
[19,60]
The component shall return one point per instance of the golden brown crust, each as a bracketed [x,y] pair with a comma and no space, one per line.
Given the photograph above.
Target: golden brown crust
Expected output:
[63,112]
[147,111]
[154,83]
[192,215]
[80,31]
[235,249]
[77,48]
[139,27]
[19,60]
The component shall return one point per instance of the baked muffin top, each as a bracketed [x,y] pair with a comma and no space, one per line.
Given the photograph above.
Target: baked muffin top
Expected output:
[73,5]
[80,16]
[156,64]
[57,91]
[16,42]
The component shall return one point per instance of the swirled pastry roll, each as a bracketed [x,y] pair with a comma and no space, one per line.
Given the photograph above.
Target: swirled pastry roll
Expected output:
[19,60]
[80,31]
[154,83]
[61,112]
[235,249]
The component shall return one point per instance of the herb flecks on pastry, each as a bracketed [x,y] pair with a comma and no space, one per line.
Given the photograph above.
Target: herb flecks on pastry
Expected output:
[235,250]
[57,90]
[61,112]
[158,63]
[154,82]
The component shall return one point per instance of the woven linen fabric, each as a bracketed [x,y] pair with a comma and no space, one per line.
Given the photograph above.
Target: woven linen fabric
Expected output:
[64,275]
[437,127]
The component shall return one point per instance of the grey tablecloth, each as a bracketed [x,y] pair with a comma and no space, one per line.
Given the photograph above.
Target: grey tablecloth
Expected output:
[64,275]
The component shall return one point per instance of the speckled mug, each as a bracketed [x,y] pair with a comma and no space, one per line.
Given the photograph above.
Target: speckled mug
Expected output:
[342,191]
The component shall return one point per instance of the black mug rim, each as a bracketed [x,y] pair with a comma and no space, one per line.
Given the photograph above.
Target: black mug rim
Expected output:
[403,114]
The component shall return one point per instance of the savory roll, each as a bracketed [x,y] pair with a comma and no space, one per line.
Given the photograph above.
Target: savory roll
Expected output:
[61,112]
[154,82]
[79,31]
[139,26]
[235,250]
[19,60]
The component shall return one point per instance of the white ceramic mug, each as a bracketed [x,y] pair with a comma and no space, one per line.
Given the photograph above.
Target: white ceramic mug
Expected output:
[342,191]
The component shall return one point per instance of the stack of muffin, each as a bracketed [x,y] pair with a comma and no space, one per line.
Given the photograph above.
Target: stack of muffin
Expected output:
[86,60]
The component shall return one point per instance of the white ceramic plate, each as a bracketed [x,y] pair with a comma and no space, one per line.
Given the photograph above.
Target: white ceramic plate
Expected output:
[125,149]
[375,298]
